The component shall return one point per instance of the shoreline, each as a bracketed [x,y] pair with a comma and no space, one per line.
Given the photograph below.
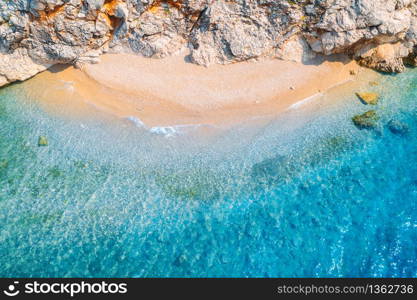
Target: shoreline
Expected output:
[172,92]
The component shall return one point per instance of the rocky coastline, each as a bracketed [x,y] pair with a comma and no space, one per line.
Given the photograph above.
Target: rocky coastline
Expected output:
[37,34]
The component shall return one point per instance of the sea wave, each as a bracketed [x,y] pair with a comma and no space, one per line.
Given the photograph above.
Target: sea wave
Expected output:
[166,131]
[305,101]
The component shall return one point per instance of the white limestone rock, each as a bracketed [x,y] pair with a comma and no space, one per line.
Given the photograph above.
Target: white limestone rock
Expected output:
[38,33]
[18,66]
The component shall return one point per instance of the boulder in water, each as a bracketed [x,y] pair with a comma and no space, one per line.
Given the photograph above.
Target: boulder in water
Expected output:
[366,120]
[42,141]
[368,98]
[397,127]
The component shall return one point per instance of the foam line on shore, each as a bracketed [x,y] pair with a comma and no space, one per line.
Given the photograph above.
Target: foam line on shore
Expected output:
[166,131]
[305,101]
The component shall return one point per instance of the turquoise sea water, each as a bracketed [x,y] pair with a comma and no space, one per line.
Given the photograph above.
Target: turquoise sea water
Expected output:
[303,195]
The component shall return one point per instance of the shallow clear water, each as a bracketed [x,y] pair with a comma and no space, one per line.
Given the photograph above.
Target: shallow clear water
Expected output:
[304,195]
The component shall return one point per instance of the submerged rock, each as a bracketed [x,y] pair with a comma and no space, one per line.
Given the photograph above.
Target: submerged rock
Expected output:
[398,127]
[367,120]
[42,141]
[273,170]
[368,98]
[189,184]
[3,164]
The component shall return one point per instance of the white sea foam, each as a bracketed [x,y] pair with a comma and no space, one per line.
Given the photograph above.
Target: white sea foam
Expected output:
[171,131]
[136,121]
[166,131]
[305,101]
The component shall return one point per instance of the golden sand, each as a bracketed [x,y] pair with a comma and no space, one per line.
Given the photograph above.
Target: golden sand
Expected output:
[171,91]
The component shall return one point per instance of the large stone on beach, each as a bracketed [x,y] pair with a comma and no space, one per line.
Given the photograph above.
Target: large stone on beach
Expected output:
[18,66]
[397,127]
[368,98]
[387,58]
[366,120]
[42,141]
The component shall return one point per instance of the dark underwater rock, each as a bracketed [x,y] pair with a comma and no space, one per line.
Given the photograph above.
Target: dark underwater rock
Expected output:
[367,120]
[273,169]
[398,128]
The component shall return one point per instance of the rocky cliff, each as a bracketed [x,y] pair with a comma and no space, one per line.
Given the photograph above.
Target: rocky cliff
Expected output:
[35,34]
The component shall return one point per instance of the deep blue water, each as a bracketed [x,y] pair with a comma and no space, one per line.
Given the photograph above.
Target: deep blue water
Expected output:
[304,195]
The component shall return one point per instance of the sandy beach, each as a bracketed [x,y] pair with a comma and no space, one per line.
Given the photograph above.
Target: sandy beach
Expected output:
[171,91]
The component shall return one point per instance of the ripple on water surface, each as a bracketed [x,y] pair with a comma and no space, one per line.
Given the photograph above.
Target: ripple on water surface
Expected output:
[312,198]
